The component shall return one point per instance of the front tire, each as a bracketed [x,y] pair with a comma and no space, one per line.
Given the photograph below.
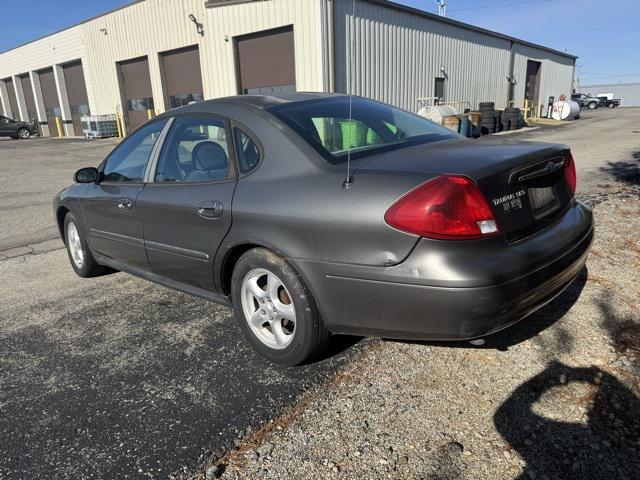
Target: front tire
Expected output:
[593,105]
[24,133]
[275,309]
[80,256]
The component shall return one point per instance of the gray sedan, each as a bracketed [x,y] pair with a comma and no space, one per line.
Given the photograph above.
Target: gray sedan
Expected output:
[313,214]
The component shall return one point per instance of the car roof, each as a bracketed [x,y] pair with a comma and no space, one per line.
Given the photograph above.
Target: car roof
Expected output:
[261,102]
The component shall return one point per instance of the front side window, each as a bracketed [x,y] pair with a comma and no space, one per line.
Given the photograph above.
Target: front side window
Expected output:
[4,120]
[373,127]
[248,151]
[196,150]
[128,161]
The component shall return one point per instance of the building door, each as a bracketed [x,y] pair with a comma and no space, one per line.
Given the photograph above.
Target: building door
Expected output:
[266,62]
[13,102]
[50,99]
[181,77]
[135,88]
[439,89]
[29,100]
[77,93]
[532,88]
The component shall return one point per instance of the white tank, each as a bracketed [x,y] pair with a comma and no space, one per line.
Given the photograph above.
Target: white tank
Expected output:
[567,110]
[436,113]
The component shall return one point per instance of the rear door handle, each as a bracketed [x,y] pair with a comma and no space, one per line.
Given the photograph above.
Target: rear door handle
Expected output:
[124,203]
[211,209]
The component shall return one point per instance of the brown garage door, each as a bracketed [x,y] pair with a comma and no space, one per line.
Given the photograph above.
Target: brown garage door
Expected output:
[77,93]
[135,85]
[27,90]
[182,78]
[50,99]
[13,103]
[266,62]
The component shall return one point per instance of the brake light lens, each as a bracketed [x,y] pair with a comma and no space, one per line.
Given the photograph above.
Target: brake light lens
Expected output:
[449,207]
[570,173]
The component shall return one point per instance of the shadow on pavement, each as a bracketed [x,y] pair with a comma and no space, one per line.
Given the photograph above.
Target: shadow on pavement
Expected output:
[603,446]
[627,171]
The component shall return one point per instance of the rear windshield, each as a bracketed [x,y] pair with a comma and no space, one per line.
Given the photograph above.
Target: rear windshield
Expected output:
[373,127]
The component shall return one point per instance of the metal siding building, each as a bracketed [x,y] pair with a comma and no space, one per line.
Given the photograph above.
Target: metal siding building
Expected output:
[628,93]
[399,53]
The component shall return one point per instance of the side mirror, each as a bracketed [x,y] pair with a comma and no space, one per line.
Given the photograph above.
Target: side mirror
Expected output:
[86,175]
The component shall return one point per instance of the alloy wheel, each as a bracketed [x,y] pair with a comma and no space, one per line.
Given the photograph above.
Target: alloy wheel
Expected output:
[268,308]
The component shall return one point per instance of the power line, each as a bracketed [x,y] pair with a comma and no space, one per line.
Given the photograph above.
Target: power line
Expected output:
[500,5]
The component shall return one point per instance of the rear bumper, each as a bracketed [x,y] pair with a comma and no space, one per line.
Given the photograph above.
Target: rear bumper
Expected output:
[453,290]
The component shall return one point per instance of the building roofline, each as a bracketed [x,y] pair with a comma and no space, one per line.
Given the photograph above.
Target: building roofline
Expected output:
[591,85]
[384,3]
[95,17]
[457,23]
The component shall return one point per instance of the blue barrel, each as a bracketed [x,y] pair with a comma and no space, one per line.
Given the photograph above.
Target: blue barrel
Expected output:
[465,126]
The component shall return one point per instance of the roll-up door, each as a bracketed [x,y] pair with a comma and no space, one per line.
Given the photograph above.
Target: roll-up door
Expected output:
[27,91]
[50,99]
[77,94]
[135,85]
[182,78]
[266,62]
[13,102]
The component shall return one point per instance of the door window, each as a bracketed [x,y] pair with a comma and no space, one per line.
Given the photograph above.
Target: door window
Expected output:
[128,161]
[4,120]
[248,152]
[196,150]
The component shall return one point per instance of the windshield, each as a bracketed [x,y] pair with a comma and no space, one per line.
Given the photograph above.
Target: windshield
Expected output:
[374,126]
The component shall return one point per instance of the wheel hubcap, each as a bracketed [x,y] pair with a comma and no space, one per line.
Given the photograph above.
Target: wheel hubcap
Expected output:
[24,134]
[75,247]
[268,308]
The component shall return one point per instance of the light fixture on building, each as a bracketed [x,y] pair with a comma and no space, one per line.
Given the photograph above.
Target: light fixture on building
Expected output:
[103,30]
[199,26]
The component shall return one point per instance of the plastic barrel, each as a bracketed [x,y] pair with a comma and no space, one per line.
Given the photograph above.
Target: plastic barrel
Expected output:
[567,110]
[437,113]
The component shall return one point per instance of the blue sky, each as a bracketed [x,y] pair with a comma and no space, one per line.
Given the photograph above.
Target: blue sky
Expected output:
[604,34]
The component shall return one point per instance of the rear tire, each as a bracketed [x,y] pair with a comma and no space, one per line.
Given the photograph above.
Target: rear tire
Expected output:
[80,256]
[275,309]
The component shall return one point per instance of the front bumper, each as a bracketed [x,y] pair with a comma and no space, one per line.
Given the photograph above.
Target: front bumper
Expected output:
[453,290]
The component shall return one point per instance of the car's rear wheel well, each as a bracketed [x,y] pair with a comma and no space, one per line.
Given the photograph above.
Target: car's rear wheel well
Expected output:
[60,214]
[230,261]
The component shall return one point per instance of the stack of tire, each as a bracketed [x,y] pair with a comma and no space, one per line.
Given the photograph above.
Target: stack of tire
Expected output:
[488,122]
[512,118]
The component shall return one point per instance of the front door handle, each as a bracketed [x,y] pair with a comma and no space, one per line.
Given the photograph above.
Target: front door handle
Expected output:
[210,209]
[124,203]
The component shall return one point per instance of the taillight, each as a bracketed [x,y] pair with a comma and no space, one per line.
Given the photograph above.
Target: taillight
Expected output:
[449,207]
[570,173]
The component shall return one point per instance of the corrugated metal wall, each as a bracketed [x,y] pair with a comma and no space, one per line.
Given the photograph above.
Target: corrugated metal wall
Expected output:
[556,73]
[399,55]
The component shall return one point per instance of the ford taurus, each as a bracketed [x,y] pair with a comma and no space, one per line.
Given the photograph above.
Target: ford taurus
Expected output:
[313,214]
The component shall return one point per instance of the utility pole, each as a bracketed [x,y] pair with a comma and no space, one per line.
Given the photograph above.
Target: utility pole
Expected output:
[442,7]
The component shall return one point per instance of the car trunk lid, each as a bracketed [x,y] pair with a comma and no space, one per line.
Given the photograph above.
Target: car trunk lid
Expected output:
[523,182]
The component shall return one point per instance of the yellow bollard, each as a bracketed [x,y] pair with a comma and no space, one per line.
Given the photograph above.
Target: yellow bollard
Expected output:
[119,125]
[150,113]
[59,127]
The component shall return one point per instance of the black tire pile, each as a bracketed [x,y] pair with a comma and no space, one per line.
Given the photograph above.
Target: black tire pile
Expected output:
[512,118]
[489,121]
[494,121]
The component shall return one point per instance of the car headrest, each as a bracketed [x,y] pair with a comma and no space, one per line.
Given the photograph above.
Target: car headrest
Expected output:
[209,156]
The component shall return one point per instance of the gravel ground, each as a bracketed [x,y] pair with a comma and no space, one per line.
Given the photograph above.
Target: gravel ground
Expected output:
[554,397]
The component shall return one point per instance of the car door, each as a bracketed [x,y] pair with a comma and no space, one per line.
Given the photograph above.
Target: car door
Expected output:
[186,205]
[6,126]
[114,226]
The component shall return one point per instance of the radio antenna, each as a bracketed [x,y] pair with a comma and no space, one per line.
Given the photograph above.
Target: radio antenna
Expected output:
[348,181]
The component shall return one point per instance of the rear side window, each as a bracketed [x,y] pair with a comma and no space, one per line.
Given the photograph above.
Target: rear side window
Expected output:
[335,127]
[196,150]
[248,152]
[129,160]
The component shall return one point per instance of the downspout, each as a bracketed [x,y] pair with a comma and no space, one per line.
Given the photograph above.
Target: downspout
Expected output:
[512,61]
[328,48]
